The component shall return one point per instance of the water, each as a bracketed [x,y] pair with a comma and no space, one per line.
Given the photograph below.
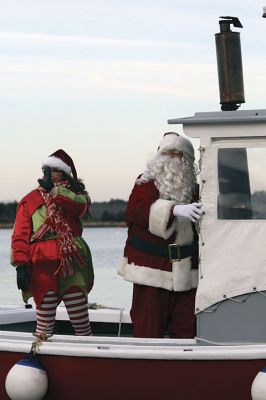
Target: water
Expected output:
[106,245]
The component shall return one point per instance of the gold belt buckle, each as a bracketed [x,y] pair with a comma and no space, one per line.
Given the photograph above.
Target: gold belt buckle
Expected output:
[171,248]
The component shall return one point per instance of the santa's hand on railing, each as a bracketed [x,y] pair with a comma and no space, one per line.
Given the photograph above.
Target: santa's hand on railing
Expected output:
[191,211]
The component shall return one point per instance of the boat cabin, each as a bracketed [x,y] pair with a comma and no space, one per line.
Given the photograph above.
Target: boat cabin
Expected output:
[231,295]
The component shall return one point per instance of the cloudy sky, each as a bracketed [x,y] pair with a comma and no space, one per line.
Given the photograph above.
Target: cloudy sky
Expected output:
[100,79]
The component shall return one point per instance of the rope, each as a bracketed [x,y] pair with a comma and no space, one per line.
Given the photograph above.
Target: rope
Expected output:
[39,340]
[258,291]
[238,301]
[120,322]
[198,225]
[213,309]
[234,300]
[201,151]
[198,228]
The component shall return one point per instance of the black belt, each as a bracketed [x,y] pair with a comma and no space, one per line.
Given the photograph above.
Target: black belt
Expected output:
[173,251]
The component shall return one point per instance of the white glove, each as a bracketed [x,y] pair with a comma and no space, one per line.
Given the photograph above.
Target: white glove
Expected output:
[191,211]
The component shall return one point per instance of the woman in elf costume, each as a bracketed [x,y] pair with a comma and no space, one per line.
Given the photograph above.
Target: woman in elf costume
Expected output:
[52,260]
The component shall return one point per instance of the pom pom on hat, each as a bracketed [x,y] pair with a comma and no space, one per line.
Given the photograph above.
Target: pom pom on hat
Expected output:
[173,141]
[61,160]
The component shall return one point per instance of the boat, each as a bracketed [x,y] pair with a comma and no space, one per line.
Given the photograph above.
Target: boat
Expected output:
[226,359]
[117,365]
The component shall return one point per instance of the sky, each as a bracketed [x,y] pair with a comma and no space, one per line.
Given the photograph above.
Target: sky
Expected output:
[100,79]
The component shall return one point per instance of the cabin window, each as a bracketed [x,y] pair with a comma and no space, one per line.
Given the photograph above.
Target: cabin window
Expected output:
[241,183]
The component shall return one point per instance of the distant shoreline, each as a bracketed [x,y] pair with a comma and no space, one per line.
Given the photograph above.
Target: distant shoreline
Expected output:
[102,214]
[85,225]
[104,224]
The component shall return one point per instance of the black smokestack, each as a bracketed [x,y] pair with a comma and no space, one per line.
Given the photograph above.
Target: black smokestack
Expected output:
[229,62]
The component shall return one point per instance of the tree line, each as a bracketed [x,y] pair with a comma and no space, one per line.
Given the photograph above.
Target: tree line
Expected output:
[112,211]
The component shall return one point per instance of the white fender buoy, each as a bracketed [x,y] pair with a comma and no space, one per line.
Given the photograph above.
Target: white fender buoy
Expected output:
[258,388]
[27,380]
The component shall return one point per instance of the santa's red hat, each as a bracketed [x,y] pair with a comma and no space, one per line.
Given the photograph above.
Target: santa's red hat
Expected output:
[61,160]
[173,141]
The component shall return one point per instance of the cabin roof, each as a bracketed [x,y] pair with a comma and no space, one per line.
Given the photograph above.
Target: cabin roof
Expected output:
[222,117]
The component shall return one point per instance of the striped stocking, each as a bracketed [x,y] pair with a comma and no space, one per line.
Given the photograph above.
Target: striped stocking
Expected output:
[46,314]
[77,308]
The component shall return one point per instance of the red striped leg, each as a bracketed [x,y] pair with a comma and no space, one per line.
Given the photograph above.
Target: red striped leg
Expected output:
[77,308]
[46,314]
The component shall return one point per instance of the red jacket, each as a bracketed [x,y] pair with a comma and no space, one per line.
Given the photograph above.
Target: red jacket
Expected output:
[43,256]
[150,220]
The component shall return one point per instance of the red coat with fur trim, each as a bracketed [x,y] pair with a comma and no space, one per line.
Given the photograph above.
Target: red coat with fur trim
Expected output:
[151,219]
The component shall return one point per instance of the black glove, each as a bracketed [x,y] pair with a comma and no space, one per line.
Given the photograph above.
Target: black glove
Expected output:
[23,278]
[46,182]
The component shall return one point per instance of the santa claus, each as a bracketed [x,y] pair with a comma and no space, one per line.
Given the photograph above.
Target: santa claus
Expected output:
[160,255]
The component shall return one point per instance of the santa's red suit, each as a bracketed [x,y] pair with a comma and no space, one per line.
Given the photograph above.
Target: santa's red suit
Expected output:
[164,290]
[43,256]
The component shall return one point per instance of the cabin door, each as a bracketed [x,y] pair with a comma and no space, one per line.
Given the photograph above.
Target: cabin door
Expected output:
[233,228]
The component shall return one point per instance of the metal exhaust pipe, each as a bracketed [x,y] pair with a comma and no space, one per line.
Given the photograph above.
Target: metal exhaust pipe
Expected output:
[229,63]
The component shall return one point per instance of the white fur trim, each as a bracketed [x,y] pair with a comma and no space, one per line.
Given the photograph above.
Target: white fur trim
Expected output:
[182,278]
[146,276]
[184,231]
[121,267]
[182,275]
[160,213]
[172,141]
[55,162]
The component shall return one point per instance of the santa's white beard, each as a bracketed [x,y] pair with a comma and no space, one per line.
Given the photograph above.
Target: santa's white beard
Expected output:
[174,177]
